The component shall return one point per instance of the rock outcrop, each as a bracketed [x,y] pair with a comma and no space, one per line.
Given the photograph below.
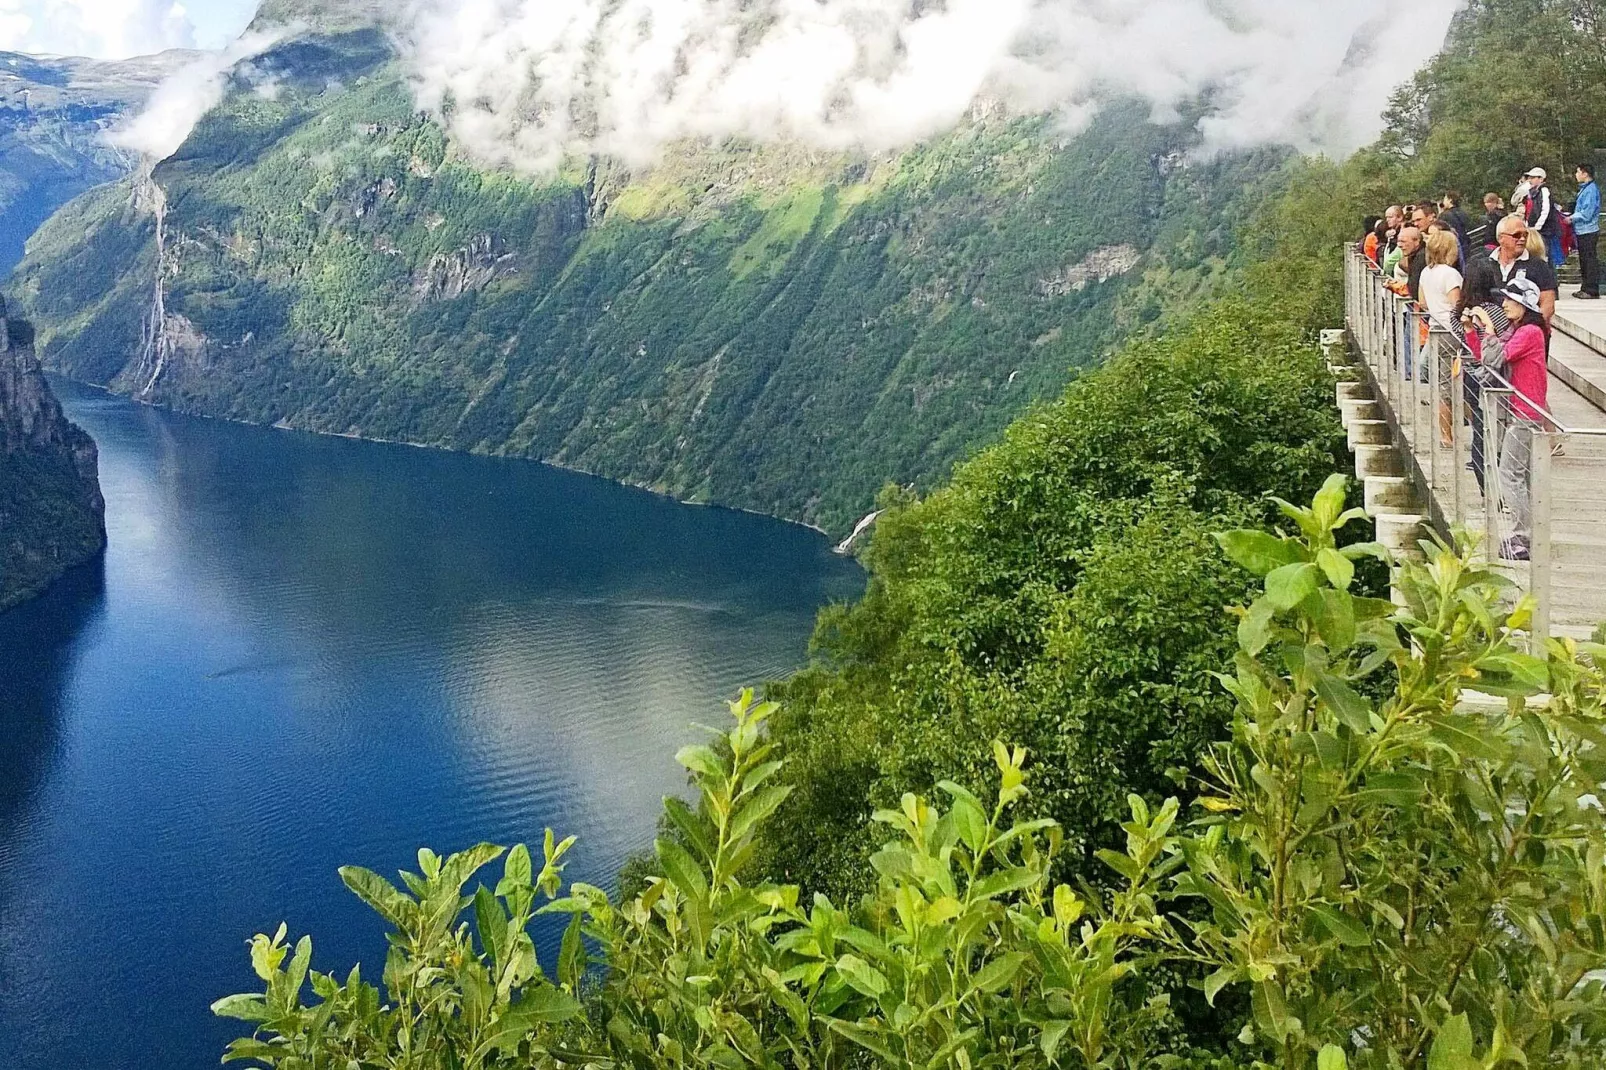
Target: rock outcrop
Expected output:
[52,515]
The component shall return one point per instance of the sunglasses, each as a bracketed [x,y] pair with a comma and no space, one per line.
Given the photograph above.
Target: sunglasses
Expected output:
[1520,235]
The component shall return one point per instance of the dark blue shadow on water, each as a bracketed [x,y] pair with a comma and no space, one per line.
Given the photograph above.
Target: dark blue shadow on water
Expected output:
[306,652]
[31,688]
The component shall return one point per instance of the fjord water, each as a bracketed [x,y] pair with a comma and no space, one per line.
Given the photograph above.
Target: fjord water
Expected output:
[303,652]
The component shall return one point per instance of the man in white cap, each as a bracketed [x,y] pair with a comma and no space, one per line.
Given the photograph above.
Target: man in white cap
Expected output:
[1540,212]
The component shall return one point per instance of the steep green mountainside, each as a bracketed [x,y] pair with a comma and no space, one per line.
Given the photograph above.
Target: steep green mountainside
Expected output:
[777,329]
[54,114]
[51,510]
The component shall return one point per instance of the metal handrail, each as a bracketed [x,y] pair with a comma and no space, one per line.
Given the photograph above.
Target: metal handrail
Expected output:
[1465,351]
[1444,421]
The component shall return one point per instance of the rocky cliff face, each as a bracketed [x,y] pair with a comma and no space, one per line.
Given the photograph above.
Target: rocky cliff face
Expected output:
[52,515]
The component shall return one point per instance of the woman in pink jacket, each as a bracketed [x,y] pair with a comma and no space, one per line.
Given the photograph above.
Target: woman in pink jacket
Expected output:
[1517,354]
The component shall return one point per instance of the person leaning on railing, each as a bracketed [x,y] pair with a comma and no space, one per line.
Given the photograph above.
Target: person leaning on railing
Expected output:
[1407,280]
[1440,293]
[1517,356]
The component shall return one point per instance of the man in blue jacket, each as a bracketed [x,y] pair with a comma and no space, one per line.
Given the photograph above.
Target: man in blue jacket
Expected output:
[1586,224]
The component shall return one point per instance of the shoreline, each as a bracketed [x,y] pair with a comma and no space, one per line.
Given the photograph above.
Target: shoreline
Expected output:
[351,437]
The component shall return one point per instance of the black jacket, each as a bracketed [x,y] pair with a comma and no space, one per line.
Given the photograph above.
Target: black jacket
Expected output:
[1542,213]
[1458,222]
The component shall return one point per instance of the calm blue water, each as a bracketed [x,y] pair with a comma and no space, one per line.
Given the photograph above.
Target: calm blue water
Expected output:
[302,652]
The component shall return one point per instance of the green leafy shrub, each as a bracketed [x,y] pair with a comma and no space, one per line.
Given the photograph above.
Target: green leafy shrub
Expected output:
[1063,593]
[1422,879]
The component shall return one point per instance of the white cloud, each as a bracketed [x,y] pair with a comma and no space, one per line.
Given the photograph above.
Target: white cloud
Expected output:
[111,29]
[180,101]
[524,82]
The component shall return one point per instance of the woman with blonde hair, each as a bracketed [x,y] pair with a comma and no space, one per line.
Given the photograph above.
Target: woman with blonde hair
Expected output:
[1441,281]
[1440,294]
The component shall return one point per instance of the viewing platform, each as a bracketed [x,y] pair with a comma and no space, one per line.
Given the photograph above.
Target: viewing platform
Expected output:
[1443,451]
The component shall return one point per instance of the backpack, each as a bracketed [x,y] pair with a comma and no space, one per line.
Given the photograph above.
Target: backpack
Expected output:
[1569,237]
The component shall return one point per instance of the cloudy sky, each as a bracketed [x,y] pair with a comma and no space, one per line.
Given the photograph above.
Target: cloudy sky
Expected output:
[116,29]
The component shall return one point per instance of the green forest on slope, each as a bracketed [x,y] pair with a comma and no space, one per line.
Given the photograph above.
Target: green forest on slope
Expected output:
[772,328]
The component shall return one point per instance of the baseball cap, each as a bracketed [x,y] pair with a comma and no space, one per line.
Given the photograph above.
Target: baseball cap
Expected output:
[1524,292]
[1537,172]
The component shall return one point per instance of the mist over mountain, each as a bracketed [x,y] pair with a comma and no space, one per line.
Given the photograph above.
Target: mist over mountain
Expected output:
[769,255]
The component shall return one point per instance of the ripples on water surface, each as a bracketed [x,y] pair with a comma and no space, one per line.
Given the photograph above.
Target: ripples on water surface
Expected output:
[303,652]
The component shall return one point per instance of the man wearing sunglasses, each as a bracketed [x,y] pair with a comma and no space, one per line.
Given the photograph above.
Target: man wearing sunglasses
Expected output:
[1486,275]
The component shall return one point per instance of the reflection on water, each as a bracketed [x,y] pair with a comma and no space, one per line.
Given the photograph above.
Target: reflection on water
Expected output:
[31,688]
[306,652]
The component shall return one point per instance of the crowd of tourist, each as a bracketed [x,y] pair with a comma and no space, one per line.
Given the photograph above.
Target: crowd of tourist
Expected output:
[1493,286]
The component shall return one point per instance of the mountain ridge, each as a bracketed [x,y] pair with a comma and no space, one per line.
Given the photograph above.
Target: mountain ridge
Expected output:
[775,328]
[55,113]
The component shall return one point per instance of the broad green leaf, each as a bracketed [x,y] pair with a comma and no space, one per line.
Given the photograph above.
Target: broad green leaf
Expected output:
[460,867]
[378,893]
[998,973]
[1453,1046]
[702,759]
[1329,503]
[1254,629]
[1220,979]
[754,812]
[491,922]
[1270,1009]
[572,954]
[1358,550]
[1339,569]
[245,1007]
[1053,1033]
[869,1039]
[1393,789]
[1291,584]
[247,1048]
[1469,737]
[1004,882]
[516,871]
[1259,552]
[692,825]
[1332,1058]
[1122,864]
[864,977]
[971,824]
[682,870]
[1334,614]
[1352,711]
[1350,932]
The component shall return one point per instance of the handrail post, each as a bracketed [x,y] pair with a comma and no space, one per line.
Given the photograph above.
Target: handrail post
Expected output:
[1433,369]
[1490,399]
[1458,439]
[1539,556]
